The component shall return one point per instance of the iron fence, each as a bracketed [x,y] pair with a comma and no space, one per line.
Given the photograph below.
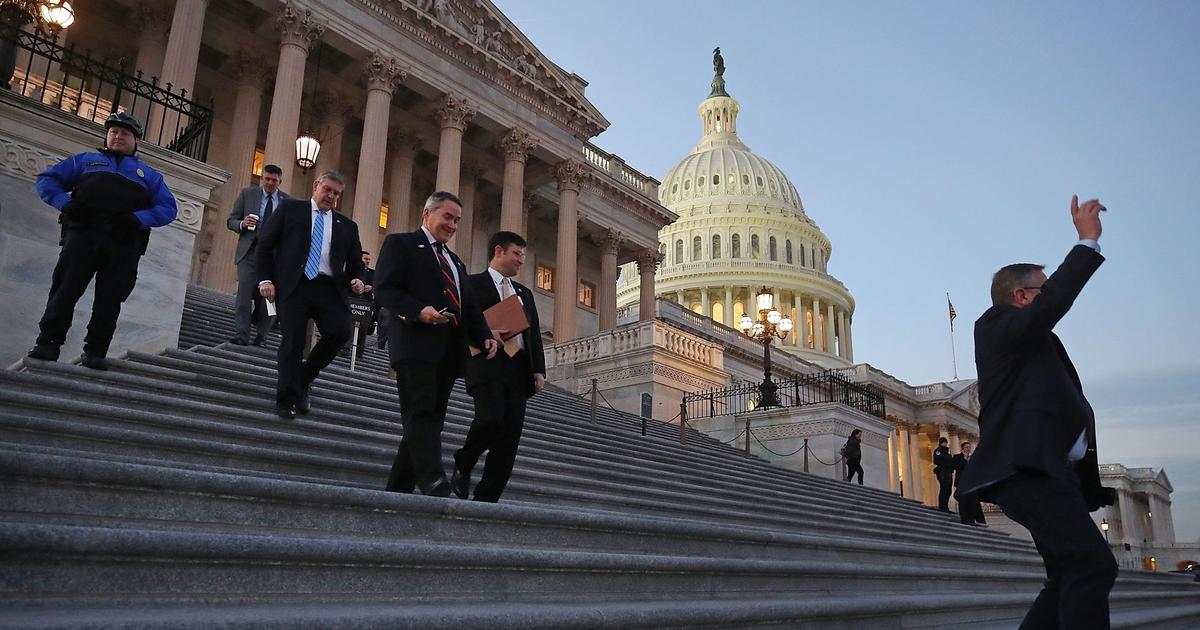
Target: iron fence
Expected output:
[94,88]
[797,391]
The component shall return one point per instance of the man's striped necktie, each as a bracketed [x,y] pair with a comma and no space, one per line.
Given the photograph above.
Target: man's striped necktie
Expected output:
[313,266]
[448,278]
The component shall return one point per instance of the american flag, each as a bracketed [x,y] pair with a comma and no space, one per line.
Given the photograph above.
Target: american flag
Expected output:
[952,313]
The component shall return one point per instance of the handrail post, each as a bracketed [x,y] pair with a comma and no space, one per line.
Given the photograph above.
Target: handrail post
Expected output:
[682,422]
[592,416]
[805,454]
[747,437]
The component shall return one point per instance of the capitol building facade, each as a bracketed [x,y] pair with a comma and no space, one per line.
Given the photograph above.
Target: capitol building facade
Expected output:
[742,226]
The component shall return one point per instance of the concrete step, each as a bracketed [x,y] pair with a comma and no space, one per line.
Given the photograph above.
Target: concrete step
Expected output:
[191,420]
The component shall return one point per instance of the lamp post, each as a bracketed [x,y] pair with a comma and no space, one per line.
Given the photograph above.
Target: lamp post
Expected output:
[771,324]
[54,14]
[1104,526]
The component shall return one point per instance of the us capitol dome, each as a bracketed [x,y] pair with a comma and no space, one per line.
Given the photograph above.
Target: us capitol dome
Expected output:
[742,226]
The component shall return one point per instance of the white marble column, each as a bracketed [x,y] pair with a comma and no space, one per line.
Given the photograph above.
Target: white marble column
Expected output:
[383,75]
[830,322]
[155,22]
[178,68]
[915,464]
[454,115]
[705,304]
[647,264]
[849,339]
[516,145]
[727,312]
[250,79]
[402,145]
[904,459]
[298,30]
[892,463]
[817,333]
[463,239]
[610,245]
[571,176]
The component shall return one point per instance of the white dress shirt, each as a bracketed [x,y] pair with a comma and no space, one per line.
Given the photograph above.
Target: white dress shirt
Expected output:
[498,280]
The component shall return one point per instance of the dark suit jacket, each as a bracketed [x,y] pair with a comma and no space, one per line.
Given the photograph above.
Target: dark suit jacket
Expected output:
[482,370]
[407,279]
[284,241]
[246,204]
[960,466]
[1032,407]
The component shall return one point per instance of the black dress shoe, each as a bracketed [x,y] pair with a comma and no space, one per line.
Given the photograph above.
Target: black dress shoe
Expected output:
[259,341]
[439,488]
[238,341]
[303,405]
[95,362]
[285,412]
[44,352]
[460,483]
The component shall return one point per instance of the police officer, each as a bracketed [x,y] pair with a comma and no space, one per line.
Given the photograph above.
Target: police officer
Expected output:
[109,200]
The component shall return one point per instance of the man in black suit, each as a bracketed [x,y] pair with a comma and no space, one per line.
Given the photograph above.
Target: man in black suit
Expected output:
[970,512]
[943,471]
[432,315]
[500,386]
[253,206]
[1037,453]
[309,258]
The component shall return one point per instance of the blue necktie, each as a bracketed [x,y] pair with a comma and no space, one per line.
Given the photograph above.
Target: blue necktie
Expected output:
[313,266]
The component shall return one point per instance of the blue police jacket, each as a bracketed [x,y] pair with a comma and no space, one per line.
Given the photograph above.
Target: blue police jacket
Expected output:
[55,184]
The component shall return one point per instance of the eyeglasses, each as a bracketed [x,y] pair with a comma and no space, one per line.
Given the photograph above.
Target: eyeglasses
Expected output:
[1031,288]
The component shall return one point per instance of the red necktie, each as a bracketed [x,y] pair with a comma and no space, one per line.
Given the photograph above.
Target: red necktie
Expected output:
[448,278]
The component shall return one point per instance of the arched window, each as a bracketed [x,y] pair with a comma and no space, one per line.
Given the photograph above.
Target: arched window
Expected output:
[678,251]
[735,246]
[787,251]
[716,246]
[755,250]
[697,244]
[745,180]
[716,180]
[802,260]
[773,249]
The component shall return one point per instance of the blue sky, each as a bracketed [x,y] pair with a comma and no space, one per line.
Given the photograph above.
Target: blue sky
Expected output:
[934,142]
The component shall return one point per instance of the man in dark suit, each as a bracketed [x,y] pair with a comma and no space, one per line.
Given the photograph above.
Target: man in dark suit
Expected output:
[500,386]
[308,260]
[253,206]
[970,512]
[1037,452]
[944,472]
[433,315]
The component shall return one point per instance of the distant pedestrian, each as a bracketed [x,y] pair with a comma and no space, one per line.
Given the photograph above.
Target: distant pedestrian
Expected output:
[852,453]
[943,469]
[970,512]
[109,200]
[251,210]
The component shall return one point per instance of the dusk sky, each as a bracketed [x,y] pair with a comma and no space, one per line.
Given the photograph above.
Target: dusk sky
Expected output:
[935,142]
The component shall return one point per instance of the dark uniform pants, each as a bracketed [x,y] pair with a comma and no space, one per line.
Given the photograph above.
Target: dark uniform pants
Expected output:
[249,303]
[113,260]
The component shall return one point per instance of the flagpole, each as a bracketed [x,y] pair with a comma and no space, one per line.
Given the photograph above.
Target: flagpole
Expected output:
[953,352]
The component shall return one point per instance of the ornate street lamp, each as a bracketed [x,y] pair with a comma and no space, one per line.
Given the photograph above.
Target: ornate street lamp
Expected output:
[53,14]
[56,14]
[770,324]
[307,148]
[1104,526]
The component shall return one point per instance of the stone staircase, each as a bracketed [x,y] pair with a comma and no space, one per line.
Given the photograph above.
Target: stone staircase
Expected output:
[166,493]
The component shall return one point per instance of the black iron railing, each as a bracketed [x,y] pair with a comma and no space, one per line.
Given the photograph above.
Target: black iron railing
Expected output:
[94,88]
[798,391]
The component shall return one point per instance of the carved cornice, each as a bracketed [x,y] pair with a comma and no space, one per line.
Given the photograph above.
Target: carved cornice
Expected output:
[516,145]
[469,34]
[454,113]
[383,73]
[298,27]
[572,175]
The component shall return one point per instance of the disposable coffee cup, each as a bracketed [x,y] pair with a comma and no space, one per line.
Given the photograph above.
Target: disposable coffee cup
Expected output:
[255,226]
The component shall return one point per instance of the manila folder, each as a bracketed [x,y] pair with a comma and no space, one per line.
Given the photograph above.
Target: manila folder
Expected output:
[507,314]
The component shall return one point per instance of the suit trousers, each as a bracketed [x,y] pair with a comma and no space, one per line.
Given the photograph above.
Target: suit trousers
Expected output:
[321,301]
[249,304]
[113,261]
[1080,569]
[496,428]
[945,488]
[424,388]
[970,510]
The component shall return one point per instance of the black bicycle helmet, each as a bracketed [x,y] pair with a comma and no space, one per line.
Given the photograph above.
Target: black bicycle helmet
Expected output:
[121,119]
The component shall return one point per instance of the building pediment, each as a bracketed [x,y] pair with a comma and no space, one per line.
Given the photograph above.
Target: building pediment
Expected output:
[488,42]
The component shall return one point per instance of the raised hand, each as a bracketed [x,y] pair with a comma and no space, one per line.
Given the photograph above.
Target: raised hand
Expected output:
[1087,218]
